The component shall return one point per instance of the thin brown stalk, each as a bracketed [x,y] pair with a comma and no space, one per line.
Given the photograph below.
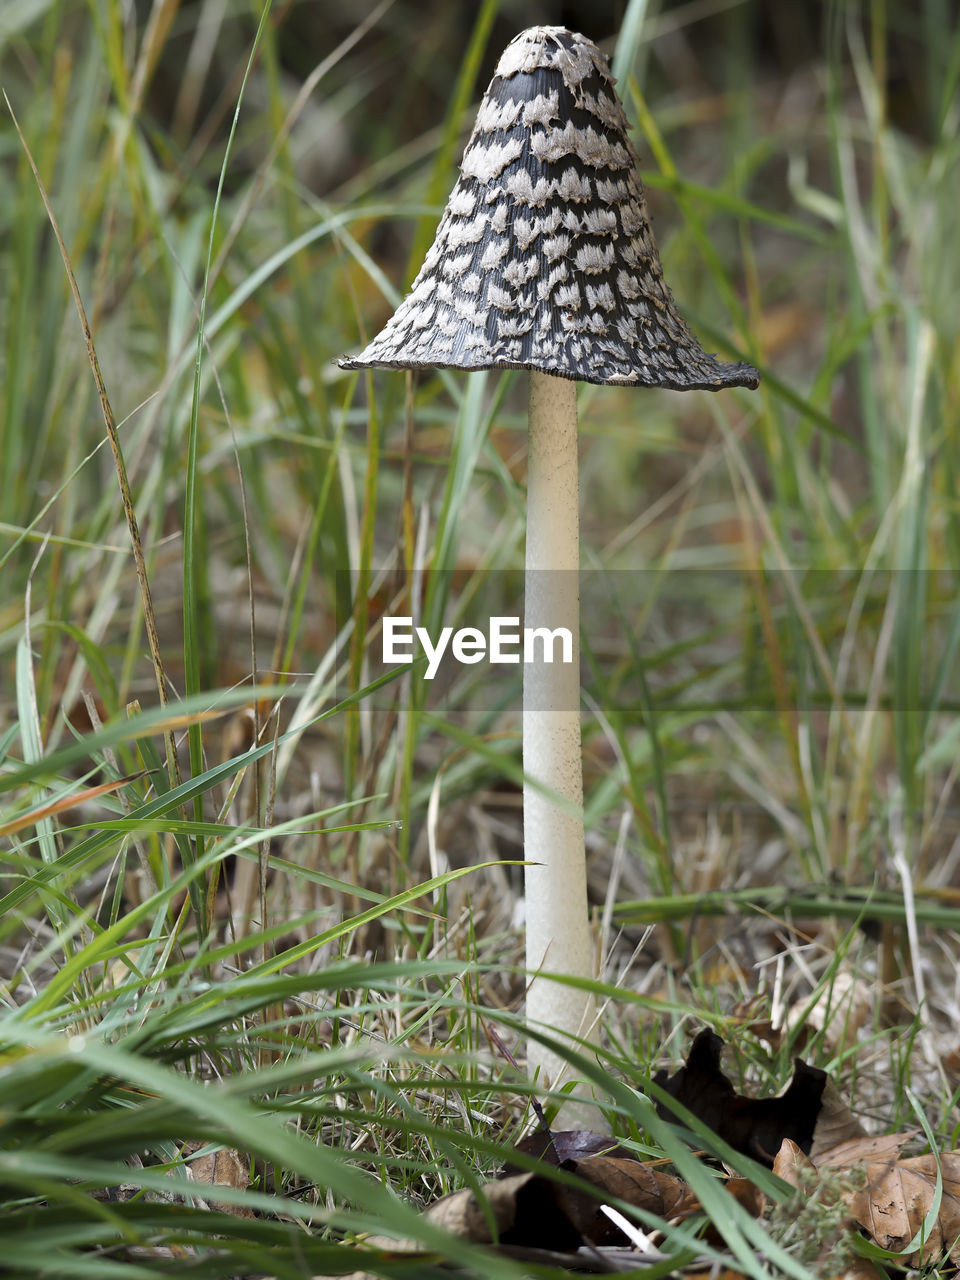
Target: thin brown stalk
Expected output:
[153,637]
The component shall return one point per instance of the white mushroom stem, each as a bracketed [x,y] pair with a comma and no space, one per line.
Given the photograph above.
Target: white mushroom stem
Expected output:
[558,937]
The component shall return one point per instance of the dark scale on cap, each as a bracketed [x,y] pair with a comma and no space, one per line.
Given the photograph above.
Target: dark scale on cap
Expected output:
[544,257]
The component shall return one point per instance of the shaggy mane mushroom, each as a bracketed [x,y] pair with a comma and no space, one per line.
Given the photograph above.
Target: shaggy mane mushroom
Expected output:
[544,260]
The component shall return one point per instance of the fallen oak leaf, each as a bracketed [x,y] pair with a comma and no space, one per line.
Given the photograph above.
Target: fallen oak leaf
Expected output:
[892,1198]
[898,1196]
[639,1185]
[535,1211]
[646,1187]
[524,1209]
[756,1127]
[642,1185]
[612,1169]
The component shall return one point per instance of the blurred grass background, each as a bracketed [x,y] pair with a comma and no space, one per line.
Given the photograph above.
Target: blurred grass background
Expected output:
[770,694]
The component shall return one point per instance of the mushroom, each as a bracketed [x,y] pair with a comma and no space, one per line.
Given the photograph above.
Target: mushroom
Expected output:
[544,260]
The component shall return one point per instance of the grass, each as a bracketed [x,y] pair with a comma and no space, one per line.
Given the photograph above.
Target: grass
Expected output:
[276,914]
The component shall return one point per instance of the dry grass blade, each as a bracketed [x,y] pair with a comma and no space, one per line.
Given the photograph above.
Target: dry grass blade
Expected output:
[65,802]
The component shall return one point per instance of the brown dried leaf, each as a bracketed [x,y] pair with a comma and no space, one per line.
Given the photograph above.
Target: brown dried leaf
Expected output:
[651,1189]
[897,1198]
[839,1013]
[863,1151]
[748,1195]
[754,1126]
[638,1184]
[793,1165]
[533,1211]
[526,1209]
[836,1123]
[898,1194]
[821,1211]
[225,1168]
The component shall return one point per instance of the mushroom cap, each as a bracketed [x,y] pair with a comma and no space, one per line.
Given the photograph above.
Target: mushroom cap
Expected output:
[544,257]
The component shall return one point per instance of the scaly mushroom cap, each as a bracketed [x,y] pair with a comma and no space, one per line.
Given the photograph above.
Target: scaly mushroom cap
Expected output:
[544,257]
